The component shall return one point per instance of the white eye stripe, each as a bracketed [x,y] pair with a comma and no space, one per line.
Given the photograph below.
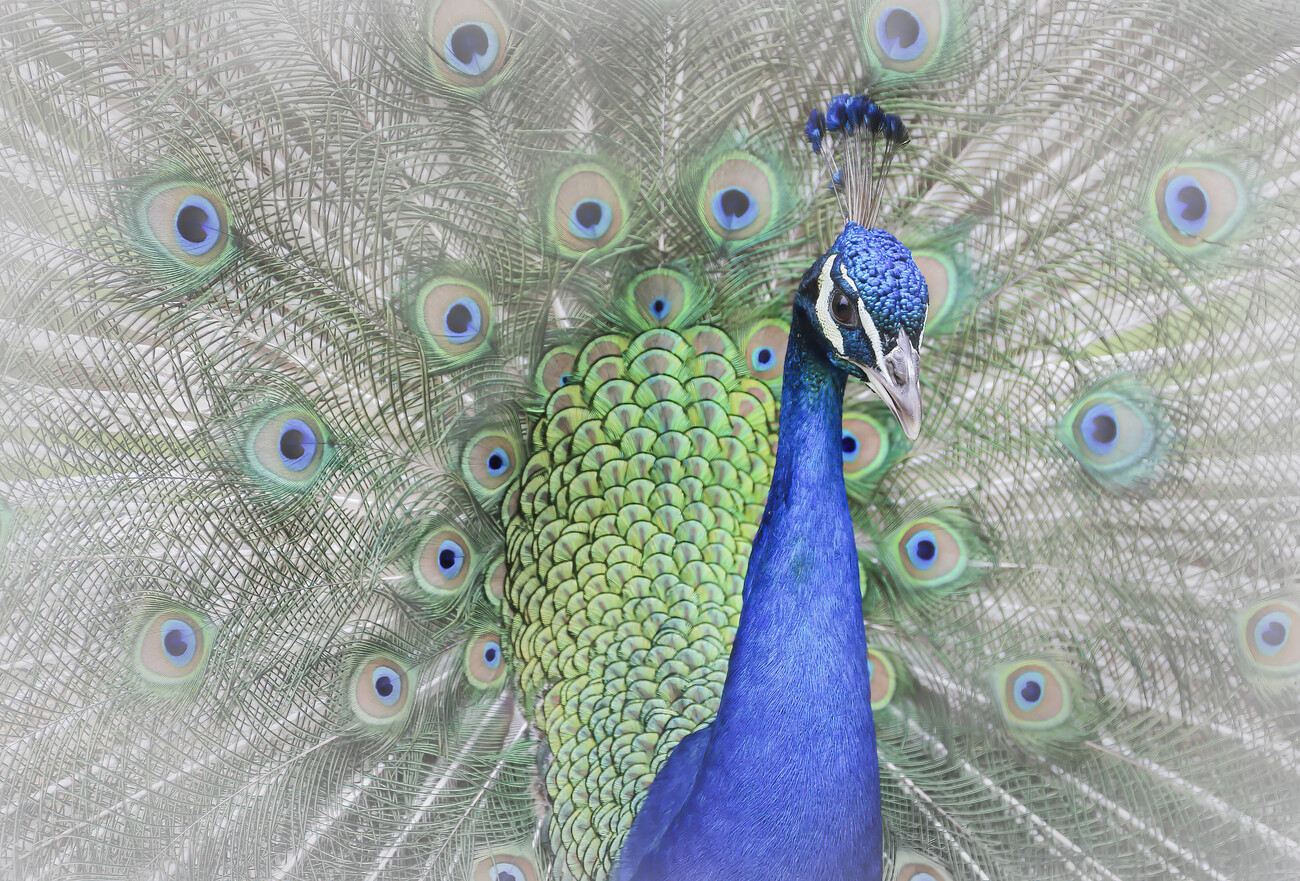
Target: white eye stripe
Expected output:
[867,324]
[824,288]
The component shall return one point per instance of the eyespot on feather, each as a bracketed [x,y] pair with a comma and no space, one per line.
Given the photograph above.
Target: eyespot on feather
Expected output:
[884,679]
[555,369]
[864,446]
[1268,640]
[1114,432]
[187,224]
[485,665]
[738,199]
[446,560]
[660,297]
[1197,206]
[588,213]
[172,647]
[1032,694]
[489,462]
[912,866]
[764,347]
[453,319]
[288,447]
[380,691]
[507,864]
[930,553]
[905,36]
[468,41]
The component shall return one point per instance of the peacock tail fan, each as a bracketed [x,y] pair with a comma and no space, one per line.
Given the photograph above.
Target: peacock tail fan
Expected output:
[390,394]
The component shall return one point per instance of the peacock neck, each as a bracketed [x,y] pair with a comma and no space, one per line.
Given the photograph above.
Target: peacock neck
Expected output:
[793,742]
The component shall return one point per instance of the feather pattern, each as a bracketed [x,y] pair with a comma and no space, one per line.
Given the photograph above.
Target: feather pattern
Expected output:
[389,402]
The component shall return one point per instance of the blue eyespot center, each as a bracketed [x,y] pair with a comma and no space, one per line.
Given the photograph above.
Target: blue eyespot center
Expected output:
[901,34]
[1272,632]
[1028,690]
[1187,205]
[507,872]
[463,321]
[179,641]
[590,218]
[472,48]
[197,226]
[387,684]
[451,558]
[492,654]
[1101,429]
[923,549]
[660,307]
[498,462]
[763,358]
[297,444]
[849,447]
[734,208]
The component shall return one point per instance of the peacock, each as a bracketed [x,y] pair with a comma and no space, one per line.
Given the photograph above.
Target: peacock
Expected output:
[411,409]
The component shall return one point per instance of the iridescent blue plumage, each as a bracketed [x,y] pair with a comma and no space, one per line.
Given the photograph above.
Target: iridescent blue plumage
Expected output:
[784,782]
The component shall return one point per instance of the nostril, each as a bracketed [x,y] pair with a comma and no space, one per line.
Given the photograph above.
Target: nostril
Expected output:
[897,371]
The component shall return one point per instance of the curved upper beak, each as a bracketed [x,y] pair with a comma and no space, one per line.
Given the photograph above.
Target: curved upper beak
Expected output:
[899,384]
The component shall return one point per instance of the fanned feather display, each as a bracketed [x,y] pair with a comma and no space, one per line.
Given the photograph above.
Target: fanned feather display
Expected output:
[389,393]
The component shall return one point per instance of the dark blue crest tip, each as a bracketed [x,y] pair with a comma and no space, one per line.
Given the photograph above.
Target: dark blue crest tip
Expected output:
[894,130]
[858,105]
[815,130]
[837,113]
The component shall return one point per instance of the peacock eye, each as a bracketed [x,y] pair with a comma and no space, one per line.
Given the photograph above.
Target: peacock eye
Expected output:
[472,48]
[179,641]
[198,226]
[1028,690]
[901,35]
[1033,694]
[1110,434]
[462,321]
[884,682]
[444,562]
[1269,639]
[297,444]
[661,295]
[588,210]
[489,462]
[928,553]
[922,549]
[484,661]
[1198,205]
[507,864]
[1187,205]
[590,218]
[380,695]
[186,223]
[912,866]
[452,318]
[387,685]
[864,446]
[172,647]
[468,39]
[289,448]
[555,369]
[734,208]
[904,36]
[765,350]
[739,196]
[843,310]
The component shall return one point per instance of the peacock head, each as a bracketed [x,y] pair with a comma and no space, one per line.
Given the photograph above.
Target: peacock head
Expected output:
[867,300]
[865,296]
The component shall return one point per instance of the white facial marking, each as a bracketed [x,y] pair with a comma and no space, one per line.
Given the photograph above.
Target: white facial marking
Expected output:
[824,288]
[865,318]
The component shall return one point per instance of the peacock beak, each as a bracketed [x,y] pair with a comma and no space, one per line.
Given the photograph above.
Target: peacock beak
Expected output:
[899,384]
